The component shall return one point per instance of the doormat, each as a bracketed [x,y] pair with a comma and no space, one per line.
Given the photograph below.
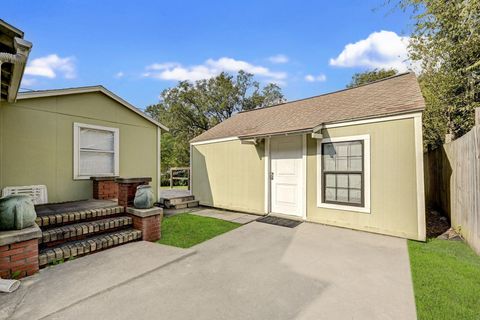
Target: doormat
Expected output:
[279,221]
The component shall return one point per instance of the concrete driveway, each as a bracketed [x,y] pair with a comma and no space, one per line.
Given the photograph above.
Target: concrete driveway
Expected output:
[257,271]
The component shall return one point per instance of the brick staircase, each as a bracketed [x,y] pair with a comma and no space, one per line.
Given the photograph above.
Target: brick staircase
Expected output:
[77,229]
[179,202]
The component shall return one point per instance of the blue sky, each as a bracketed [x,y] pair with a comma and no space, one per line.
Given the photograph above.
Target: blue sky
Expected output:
[138,48]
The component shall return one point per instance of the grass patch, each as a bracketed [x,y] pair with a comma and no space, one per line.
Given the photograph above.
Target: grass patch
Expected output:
[446,279]
[186,230]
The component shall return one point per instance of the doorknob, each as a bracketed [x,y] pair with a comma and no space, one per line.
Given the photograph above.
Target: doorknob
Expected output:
[271,175]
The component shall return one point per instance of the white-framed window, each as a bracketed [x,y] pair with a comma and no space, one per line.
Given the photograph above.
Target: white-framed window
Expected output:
[96,151]
[343,173]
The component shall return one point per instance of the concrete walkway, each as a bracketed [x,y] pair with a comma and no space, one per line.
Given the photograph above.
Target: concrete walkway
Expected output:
[231,216]
[257,271]
[62,286]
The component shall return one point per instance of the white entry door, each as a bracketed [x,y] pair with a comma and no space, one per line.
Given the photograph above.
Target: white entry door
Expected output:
[287,175]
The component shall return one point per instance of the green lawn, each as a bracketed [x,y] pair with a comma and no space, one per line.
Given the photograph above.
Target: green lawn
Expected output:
[446,280]
[186,230]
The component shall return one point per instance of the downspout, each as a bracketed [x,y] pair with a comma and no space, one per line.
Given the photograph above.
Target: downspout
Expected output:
[19,61]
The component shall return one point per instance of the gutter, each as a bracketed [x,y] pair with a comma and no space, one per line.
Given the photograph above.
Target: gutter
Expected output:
[19,61]
[281,133]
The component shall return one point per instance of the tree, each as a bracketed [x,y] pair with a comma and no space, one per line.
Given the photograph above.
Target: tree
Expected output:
[446,44]
[192,108]
[370,76]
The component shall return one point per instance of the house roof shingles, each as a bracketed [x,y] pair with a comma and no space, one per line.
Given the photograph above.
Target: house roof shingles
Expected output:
[394,95]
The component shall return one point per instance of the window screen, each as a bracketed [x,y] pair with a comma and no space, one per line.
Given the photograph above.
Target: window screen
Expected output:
[97,152]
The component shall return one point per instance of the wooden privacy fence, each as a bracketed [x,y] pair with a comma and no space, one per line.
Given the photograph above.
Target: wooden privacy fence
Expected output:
[452,183]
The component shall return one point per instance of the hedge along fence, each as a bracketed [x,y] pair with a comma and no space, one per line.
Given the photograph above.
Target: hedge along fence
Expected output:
[452,183]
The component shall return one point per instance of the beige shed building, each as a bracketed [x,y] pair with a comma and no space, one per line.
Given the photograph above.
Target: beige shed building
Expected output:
[351,158]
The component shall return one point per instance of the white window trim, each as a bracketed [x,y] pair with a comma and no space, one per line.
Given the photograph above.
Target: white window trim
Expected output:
[267,176]
[76,148]
[366,144]
[420,178]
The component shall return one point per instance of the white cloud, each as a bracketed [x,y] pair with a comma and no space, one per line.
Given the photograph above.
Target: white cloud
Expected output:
[119,75]
[279,58]
[28,82]
[384,49]
[50,66]
[312,78]
[209,69]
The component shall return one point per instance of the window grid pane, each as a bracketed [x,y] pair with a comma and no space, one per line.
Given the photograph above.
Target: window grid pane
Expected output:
[343,172]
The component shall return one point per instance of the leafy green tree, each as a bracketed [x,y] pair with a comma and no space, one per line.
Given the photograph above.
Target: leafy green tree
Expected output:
[446,44]
[370,76]
[192,108]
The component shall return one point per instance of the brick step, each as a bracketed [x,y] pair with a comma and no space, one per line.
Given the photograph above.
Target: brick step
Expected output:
[77,216]
[185,204]
[169,202]
[72,231]
[86,246]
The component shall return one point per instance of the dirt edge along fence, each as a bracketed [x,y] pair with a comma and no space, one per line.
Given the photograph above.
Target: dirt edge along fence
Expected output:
[452,183]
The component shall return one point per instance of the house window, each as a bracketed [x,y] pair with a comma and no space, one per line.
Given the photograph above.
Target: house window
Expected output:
[344,173]
[96,151]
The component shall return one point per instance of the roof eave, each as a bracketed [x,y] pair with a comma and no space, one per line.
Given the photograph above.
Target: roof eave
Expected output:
[23,49]
[279,133]
[323,125]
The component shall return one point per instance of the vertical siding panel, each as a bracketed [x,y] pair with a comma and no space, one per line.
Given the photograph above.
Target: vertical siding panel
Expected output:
[229,175]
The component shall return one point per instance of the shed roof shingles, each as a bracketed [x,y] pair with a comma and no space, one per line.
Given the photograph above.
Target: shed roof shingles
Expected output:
[393,95]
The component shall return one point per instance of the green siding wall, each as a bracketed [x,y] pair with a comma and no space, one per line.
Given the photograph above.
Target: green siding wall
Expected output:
[229,175]
[393,180]
[36,142]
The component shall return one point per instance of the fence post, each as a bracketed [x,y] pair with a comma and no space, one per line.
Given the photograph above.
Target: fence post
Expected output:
[448,138]
[477,116]
[171,178]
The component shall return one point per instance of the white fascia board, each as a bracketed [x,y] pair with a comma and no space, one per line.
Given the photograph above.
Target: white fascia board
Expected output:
[214,141]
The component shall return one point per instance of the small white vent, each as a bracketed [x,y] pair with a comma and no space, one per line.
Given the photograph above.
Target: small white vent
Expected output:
[38,193]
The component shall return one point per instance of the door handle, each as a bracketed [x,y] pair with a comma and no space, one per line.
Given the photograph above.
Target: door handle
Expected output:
[271,175]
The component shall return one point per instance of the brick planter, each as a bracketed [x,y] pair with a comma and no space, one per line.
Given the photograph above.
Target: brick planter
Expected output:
[149,221]
[19,252]
[104,188]
[127,188]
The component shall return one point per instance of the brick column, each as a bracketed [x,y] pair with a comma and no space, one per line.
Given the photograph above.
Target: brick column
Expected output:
[19,252]
[149,221]
[104,188]
[127,188]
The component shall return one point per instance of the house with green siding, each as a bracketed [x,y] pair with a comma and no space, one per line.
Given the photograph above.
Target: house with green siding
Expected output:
[60,138]
[77,156]
[351,158]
